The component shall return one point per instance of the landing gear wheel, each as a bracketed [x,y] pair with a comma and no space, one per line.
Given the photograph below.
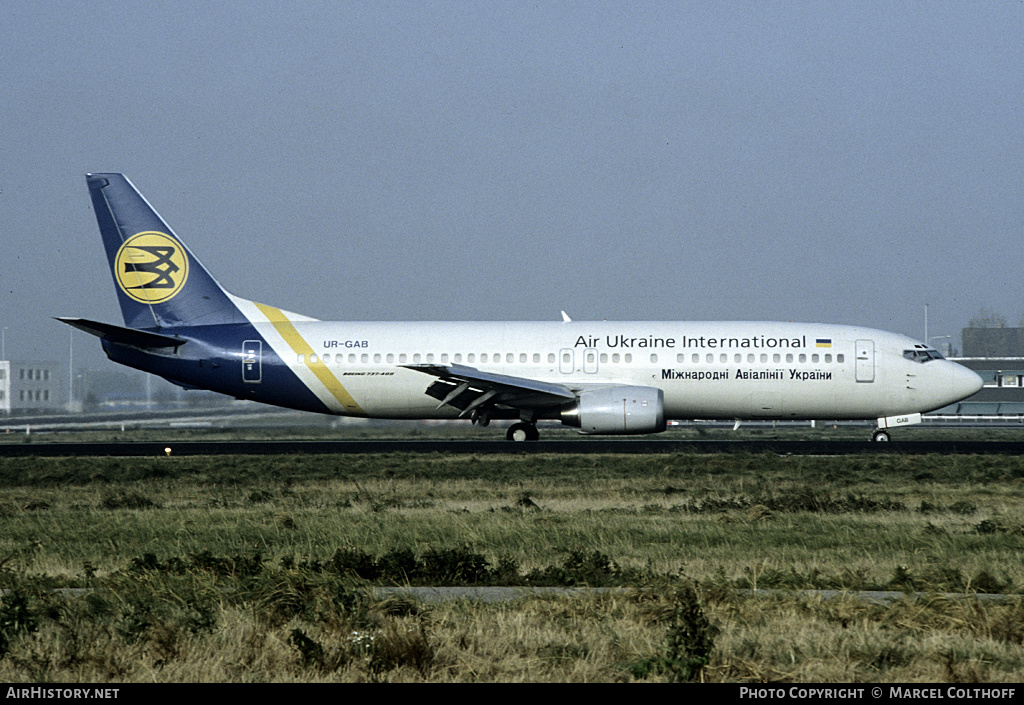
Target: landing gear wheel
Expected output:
[881,436]
[522,432]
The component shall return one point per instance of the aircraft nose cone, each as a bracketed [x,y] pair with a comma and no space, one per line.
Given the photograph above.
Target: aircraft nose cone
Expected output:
[964,382]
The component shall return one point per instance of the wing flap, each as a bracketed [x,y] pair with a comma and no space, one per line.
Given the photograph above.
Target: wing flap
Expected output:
[469,389]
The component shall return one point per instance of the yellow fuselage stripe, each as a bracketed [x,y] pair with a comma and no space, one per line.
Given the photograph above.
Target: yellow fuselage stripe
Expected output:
[299,345]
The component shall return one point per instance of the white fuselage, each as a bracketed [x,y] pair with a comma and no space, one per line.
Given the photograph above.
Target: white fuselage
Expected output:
[734,370]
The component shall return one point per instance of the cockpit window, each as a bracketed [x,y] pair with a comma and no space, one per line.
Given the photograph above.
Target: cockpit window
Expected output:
[922,355]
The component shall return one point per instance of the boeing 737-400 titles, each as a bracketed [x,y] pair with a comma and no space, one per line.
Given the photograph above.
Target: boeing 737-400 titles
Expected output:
[599,377]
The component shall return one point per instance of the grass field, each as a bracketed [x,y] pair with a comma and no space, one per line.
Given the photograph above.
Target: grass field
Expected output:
[243,568]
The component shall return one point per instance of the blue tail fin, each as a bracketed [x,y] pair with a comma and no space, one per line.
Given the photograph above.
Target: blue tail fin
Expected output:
[159,282]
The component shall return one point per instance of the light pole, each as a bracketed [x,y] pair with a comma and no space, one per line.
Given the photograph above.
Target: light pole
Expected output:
[936,337]
[71,371]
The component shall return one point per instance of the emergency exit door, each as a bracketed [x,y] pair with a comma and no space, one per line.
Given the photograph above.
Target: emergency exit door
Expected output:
[865,355]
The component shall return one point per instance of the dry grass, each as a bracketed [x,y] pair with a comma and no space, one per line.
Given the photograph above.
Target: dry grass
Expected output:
[224,569]
[600,638]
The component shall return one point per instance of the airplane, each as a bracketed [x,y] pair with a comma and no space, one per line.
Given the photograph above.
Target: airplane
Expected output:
[607,377]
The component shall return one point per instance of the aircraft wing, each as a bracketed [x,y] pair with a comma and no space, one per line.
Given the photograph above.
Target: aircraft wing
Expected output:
[471,390]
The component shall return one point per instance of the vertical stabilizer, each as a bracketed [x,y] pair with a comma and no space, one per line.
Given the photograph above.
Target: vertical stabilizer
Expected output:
[159,282]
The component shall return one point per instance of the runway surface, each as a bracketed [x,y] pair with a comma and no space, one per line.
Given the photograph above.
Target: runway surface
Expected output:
[492,447]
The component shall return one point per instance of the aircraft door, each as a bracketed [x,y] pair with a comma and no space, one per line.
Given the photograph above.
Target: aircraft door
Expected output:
[252,361]
[567,361]
[865,354]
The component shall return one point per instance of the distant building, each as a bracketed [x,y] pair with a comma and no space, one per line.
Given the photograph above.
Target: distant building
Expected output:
[36,386]
[5,387]
[997,354]
[993,342]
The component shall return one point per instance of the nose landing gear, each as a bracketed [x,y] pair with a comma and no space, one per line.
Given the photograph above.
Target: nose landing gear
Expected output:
[881,433]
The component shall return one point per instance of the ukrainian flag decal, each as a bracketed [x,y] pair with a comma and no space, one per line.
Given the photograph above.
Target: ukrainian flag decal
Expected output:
[823,342]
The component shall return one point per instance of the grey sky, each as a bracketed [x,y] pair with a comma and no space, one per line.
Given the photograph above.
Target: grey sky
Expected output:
[504,160]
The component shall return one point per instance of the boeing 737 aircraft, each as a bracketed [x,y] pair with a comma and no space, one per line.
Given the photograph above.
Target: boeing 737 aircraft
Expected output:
[600,377]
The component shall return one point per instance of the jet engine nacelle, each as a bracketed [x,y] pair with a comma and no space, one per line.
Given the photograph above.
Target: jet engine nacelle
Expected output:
[617,410]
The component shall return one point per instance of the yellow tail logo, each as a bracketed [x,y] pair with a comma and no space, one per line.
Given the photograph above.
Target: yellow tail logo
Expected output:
[151,267]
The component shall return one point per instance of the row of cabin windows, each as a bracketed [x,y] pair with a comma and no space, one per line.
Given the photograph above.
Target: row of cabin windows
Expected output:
[403,358]
[510,358]
[763,357]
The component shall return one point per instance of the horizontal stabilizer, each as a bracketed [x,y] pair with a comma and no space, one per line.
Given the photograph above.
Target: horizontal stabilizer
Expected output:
[124,336]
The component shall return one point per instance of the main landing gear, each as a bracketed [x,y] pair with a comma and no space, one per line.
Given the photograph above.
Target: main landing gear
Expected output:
[522,431]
